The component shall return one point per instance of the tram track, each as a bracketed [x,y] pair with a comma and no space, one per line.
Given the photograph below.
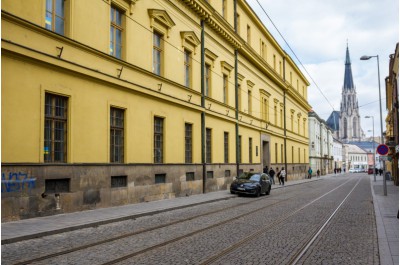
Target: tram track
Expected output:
[141,231]
[225,251]
[187,235]
[275,224]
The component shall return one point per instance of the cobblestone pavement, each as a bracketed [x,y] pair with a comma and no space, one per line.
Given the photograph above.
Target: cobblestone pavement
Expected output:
[350,238]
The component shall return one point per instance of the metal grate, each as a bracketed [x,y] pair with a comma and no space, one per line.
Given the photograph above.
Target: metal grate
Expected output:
[119,181]
[57,185]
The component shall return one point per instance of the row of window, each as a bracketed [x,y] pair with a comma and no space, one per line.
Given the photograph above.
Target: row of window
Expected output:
[55,20]
[63,185]
[55,136]
[301,154]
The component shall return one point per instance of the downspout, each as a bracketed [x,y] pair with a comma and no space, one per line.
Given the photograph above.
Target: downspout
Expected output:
[203,114]
[284,115]
[236,95]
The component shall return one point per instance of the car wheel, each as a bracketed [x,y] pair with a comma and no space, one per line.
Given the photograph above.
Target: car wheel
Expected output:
[268,191]
[232,192]
[258,192]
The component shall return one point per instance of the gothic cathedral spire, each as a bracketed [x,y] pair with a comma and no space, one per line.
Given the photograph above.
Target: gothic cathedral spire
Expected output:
[349,127]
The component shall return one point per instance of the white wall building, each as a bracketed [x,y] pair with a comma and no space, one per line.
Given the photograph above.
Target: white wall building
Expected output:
[321,145]
[338,157]
[357,158]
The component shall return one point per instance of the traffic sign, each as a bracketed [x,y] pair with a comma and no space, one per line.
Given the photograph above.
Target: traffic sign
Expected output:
[382,149]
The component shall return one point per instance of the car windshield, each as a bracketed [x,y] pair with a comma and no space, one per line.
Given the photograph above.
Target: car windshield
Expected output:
[250,176]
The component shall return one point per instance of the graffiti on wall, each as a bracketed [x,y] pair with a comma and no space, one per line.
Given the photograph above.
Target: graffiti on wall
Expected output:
[17,182]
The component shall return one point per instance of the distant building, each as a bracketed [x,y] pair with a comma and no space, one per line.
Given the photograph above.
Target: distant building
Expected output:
[321,145]
[345,123]
[370,148]
[357,158]
[338,158]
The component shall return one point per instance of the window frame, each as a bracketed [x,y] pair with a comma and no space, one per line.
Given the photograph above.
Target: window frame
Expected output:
[226,147]
[54,119]
[158,140]
[208,145]
[159,50]
[187,62]
[115,27]
[188,143]
[53,15]
[117,151]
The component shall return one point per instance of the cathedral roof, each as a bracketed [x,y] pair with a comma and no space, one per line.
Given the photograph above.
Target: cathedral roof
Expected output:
[348,76]
[333,120]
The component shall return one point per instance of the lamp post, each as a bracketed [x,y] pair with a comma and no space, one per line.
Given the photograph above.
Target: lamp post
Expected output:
[364,58]
[373,142]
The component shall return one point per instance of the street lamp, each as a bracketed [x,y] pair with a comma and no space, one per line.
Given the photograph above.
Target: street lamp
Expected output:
[373,142]
[364,58]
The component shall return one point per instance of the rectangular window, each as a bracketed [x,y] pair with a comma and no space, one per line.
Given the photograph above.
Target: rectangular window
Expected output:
[119,181]
[282,153]
[55,130]
[299,156]
[188,143]
[160,178]
[249,98]
[276,153]
[189,176]
[250,150]
[239,97]
[116,135]
[248,34]
[208,145]
[208,80]
[57,185]
[116,32]
[188,67]
[158,139]
[227,173]
[157,53]
[276,115]
[226,147]
[225,91]
[55,16]
[210,174]
[240,149]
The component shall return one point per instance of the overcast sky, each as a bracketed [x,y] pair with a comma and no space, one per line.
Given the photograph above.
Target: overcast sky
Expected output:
[318,32]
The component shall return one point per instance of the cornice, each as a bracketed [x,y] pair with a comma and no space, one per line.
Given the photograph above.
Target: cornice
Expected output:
[214,21]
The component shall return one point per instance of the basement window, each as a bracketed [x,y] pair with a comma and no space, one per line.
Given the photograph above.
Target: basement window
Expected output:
[119,181]
[57,185]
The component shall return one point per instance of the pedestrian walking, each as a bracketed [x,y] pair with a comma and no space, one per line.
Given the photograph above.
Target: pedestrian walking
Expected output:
[309,172]
[282,176]
[278,174]
[271,175]
[380,171]
[318,172]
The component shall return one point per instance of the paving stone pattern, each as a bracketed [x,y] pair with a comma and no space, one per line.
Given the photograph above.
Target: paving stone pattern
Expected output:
[277,245]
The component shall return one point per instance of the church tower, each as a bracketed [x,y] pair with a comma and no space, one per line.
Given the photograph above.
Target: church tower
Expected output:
[349,118]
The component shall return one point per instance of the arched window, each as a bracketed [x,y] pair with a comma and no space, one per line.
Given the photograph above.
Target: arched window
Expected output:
[345,128]
[355,127]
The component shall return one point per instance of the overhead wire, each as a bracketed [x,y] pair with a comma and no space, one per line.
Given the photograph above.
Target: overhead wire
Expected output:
[305,69]
[196,61]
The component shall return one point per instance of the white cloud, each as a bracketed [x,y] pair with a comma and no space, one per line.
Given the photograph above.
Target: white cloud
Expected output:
[318,32]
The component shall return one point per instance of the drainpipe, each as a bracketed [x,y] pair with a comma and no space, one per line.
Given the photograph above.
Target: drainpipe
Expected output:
[236,95]
[284,115]
[203,114]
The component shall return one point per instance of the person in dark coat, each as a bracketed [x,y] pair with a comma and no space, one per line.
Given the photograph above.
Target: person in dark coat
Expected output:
[271,175]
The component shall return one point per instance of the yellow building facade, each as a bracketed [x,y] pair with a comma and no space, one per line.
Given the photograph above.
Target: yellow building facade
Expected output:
[114,102]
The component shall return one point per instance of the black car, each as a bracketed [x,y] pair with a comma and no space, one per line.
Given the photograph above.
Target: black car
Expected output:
[251,183]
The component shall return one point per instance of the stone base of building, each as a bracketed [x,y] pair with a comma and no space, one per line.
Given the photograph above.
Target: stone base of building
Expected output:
[34,190]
